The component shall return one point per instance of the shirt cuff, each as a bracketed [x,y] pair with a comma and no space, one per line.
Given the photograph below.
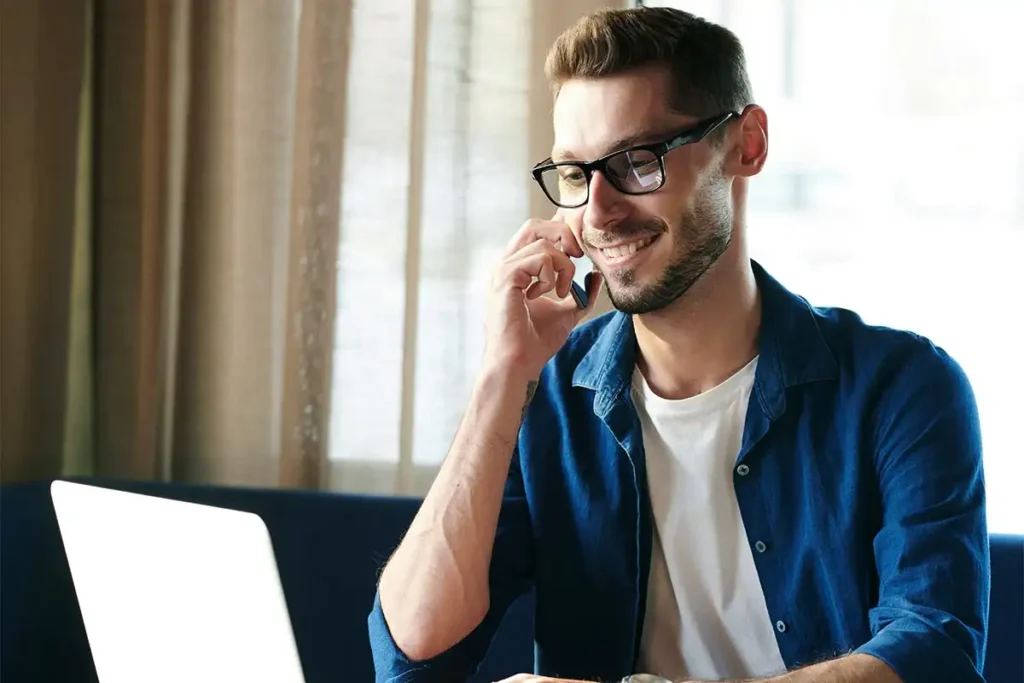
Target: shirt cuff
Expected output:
[392,666]
[920,654]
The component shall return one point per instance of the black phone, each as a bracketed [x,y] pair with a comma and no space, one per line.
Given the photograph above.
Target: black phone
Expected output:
[581,281]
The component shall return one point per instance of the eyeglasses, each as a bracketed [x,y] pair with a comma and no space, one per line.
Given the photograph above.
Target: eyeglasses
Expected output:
[636,170]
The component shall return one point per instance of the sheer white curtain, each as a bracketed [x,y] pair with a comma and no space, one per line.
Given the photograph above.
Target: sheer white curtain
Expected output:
[447,110]
[895,182]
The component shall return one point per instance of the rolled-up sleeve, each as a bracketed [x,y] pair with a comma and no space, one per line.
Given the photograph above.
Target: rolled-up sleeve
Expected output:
[510,577]
[932,556]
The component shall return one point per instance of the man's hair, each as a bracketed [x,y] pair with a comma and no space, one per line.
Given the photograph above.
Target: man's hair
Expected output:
[705,61]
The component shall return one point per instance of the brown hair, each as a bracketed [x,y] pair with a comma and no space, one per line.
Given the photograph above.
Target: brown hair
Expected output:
[705,61]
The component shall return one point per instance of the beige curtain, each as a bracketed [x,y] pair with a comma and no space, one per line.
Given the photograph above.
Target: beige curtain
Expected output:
[171,183]
[43,152]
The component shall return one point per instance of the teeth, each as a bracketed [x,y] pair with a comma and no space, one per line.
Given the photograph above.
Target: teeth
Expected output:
[625,249]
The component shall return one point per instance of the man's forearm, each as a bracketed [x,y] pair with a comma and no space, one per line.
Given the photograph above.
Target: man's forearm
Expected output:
[434,590]
[855,668]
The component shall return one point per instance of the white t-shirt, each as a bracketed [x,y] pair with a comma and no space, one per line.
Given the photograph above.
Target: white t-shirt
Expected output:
[706,616]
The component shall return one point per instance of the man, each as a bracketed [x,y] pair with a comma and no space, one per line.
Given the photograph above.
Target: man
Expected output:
[717,481]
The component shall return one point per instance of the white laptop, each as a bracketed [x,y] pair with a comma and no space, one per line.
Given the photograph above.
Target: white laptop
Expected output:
[173,591]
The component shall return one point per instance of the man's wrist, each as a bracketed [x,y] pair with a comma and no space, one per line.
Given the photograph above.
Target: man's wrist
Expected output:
[497,405]
[504,371]
[497,383]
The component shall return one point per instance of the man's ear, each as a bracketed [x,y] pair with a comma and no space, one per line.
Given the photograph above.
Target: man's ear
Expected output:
[749,149]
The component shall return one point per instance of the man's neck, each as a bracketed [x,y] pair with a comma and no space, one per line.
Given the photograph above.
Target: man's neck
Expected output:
[707,335]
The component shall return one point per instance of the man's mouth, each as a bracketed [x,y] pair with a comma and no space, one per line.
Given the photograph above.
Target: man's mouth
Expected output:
[621,252]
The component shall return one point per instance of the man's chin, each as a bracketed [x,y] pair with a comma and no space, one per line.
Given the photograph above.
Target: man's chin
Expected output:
[631,299]
[639,296]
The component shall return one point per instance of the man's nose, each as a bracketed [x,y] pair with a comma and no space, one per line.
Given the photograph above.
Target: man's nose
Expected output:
[606,205]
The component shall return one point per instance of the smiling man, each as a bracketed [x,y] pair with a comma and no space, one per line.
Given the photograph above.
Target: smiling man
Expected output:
[716,481]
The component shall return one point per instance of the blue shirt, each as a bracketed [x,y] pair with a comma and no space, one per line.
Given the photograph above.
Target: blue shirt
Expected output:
[860,469]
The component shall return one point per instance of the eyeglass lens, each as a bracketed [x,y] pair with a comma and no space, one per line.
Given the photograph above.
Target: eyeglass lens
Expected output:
[631,172]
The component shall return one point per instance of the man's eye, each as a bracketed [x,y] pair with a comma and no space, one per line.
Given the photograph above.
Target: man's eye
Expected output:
[573,177]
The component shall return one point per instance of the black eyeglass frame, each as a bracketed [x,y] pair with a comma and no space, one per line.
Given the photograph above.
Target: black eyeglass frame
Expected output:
[690,135]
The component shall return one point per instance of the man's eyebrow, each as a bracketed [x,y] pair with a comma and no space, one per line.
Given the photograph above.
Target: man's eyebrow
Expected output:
[622,143]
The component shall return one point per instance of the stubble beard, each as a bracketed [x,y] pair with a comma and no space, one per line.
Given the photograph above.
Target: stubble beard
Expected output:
[700,238]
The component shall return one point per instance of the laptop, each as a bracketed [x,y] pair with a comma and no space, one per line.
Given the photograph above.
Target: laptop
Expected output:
[174,591]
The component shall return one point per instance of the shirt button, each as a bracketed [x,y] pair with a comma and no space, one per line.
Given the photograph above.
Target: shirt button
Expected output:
[780,626]
[742,470]
[761,547]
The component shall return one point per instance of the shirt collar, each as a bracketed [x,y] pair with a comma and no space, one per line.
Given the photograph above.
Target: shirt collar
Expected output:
[792,350]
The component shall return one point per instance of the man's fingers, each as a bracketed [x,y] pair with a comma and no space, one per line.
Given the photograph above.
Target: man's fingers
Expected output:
[563,281]
[521,272]
[538,247]
[561,267]
[546,277]
[537,290]
[554,231]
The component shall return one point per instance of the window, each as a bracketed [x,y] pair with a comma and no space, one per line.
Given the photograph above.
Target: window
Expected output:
[895,182]
[475,193]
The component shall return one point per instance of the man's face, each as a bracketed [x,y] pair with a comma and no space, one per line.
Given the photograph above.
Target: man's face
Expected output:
[650,248]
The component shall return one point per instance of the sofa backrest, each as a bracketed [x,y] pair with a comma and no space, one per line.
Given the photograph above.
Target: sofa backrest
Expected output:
[330,549]
[1004,658]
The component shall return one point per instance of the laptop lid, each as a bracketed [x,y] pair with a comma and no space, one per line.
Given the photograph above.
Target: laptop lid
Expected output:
[174,591]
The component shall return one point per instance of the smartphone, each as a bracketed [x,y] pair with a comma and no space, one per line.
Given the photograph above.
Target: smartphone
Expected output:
[581,281]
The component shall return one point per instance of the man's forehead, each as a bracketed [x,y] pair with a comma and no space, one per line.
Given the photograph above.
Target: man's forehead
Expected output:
[600,145]
[595,116]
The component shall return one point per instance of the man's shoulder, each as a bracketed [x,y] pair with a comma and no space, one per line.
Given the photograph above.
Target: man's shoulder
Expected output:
[890,354]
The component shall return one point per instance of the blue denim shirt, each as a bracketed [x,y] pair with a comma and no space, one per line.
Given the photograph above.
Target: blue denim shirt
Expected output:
[860,469]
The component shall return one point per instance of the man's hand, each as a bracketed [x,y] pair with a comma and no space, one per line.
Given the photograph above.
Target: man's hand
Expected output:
[525,328]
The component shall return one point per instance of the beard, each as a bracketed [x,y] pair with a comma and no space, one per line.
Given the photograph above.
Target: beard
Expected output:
[700,237]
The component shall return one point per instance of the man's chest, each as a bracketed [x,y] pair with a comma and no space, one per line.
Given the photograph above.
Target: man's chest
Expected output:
[801,498]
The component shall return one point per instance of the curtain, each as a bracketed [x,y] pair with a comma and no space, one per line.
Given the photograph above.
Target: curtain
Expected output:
[44,251]
[245,241]
[171,183]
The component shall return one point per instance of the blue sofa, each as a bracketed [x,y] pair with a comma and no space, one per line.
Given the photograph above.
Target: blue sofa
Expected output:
[330,548]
